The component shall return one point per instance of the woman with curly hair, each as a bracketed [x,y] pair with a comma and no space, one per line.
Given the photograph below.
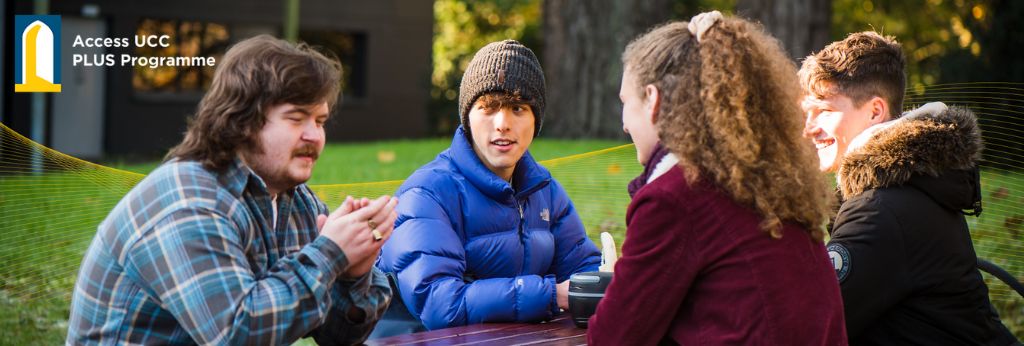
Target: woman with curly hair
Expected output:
[724,233]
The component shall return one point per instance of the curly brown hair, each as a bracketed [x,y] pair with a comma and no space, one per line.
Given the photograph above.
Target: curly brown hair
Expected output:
[729,111]
[861,66]
[255,75]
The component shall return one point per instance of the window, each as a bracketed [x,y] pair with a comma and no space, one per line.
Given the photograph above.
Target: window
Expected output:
[188,39]
[350,48]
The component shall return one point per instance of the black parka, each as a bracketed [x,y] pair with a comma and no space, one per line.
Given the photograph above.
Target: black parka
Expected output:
[900,243]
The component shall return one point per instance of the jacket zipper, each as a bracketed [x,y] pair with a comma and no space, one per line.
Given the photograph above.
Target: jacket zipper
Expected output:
[522,238]
[521,218]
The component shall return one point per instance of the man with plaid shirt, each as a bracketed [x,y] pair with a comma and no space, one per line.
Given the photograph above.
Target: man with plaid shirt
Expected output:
[224,243]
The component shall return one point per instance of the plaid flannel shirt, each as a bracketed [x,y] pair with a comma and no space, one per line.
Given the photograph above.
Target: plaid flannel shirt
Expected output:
[192,256]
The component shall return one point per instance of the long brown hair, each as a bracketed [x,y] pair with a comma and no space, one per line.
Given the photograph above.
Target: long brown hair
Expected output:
[729,112]
[253,76]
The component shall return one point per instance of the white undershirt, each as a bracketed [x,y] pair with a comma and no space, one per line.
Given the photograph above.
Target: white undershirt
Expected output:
[663,166]
[273,207]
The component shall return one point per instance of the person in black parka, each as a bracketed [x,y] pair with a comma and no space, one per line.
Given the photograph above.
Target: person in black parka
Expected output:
[900,244]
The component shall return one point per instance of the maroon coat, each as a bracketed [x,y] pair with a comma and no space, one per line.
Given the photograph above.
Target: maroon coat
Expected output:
[697,269]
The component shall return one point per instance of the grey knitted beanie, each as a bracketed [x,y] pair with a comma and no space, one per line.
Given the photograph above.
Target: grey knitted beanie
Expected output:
[503,66]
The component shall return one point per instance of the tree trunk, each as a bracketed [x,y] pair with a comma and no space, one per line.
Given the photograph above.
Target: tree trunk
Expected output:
[583,44]
[801,25]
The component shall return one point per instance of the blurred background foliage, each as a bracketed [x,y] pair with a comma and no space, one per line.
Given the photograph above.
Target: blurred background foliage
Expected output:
[945,41]
[460,29]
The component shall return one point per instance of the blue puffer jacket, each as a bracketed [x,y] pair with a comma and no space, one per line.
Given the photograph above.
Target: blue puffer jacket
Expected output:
[467,248]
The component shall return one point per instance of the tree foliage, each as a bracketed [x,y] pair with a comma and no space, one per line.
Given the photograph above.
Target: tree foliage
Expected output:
[460,29]
[945,40]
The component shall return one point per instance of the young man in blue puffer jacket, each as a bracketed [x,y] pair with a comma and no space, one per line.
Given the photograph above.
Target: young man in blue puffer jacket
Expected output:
[484,233]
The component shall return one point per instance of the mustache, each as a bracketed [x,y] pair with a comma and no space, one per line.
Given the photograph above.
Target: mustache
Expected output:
[307,150]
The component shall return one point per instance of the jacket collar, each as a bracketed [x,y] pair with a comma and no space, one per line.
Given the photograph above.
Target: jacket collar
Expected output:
[529,176]
[933,148]
[657,164]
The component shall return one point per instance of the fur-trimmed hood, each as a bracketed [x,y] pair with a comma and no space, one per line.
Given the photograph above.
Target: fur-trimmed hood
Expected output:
[937,146]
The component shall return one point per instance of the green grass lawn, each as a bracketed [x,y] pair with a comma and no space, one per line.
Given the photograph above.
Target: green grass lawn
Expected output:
[49,219]
[348,163]
[997,235]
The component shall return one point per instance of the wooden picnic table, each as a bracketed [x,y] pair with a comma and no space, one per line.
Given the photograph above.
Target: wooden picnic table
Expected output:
[559,331]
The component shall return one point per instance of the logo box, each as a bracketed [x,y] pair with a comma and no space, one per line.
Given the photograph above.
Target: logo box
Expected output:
[37,53]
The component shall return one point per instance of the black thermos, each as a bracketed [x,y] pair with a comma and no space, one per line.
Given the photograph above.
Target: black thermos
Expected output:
[585,291]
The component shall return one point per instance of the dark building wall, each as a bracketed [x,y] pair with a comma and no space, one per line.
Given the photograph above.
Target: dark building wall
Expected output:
[398,37]
[15,108]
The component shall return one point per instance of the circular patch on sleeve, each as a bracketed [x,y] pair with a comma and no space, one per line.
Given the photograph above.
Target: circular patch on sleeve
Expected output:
[840,257]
